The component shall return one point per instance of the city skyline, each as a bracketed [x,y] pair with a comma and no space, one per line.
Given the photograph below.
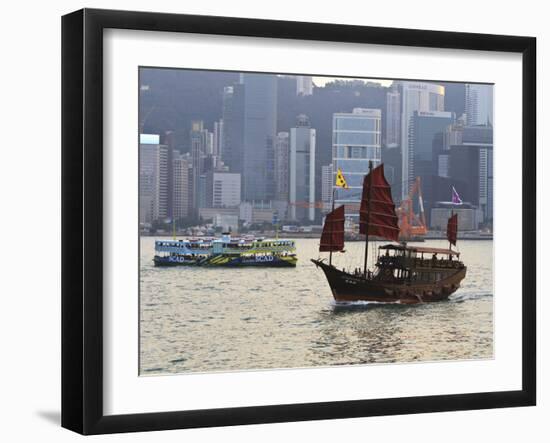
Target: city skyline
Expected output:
[279,135]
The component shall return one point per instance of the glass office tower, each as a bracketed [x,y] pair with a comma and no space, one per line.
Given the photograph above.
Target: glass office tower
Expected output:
[356,141]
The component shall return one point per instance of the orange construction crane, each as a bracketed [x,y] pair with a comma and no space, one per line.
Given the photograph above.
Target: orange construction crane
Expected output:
[412,225]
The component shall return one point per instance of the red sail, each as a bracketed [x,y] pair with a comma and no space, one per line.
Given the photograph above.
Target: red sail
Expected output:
[332,238]
[379,215]
[452,228]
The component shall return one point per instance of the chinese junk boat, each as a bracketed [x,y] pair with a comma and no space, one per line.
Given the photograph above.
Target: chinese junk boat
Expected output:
[402,274]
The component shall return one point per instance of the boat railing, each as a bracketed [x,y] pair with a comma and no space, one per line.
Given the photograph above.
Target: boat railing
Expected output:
[414,262]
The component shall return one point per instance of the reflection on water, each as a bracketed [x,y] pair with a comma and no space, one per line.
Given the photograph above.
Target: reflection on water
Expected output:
[221,319]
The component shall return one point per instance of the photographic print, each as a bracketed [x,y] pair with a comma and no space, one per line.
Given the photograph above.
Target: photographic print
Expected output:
[299,221]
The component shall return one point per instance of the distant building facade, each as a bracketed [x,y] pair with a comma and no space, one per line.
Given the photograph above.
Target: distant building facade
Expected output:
[162,192]
[282,166]
[199,139]
[169,140]
[426,128]
[260,119]
[415,97]
[356,141]
[228,223]
[302,170]
[479,104]
[223,189]
[218,139]
[233,127]
[304,85]
[469,217]
[472,164]
[148,157]
[182,174]
[327,183]
[393,118]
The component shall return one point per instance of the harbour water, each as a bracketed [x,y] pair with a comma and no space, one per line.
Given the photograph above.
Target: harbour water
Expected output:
[221,319]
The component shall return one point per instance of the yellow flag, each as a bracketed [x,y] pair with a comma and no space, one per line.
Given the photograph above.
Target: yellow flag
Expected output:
[340,180]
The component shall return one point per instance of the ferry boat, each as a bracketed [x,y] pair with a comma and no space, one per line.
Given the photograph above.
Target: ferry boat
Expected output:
[226,251]
[186,252]
[402,273]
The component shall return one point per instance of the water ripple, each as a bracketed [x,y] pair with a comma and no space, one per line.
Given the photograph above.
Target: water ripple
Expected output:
[209,319]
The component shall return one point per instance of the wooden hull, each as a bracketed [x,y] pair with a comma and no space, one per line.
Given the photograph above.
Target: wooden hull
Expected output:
[347,287]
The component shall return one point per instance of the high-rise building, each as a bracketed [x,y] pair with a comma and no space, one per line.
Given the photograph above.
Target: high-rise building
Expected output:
[391,157]
[425,128]
[421,97]
[209,143]
[182,172]
[148,147]
[169,139]
[260,119]
[218,138]
[302,170]
[162,195]
[327,182]
[454,97]
[441,155]
[393,118]
[426,139]
[471,165]
[356,142]
[233,127]
[304,85]
[453,135]
[282,166]
[199,144]
[479,104]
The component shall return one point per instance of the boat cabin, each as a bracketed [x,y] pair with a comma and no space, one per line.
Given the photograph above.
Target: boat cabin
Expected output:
[415,264]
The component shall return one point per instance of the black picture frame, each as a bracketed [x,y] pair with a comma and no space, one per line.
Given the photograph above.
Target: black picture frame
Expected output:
[82,215]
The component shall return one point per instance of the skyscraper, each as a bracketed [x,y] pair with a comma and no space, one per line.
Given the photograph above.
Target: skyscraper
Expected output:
[302,170]
[426,138]
[327,182]
[148,147]
[304,85]
[356,141]
[182,190]
[199,142]
[233,127]
[393,118]
[218,138]
[479,104]
[162,194]
[481,137]
[423,130]
[415,96]
[260,119]
[471,174]
[282,166]
[169,139]
[455,97]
